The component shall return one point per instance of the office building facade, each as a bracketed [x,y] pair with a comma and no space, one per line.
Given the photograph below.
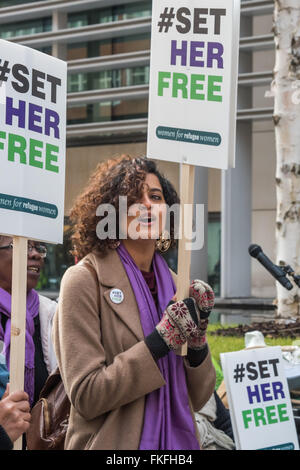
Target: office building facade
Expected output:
[107,46]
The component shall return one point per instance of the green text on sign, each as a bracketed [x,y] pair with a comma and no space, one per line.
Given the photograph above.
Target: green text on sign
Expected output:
[34,153]
[262,416]
[194,87]
[30,206]
[188,135]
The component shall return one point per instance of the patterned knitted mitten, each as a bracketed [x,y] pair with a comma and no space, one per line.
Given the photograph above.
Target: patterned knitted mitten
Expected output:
[178,323]
[204,297]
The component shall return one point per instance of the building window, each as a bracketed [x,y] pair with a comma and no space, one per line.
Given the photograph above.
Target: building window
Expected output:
[57,261]
[78,20]
[137,76]
[107,79]
[45,49]
[133,43]
[103,79]
[77,82]
[213,250]
[131,11]
[108,15]
[25,28]
[117,110]
[11,3]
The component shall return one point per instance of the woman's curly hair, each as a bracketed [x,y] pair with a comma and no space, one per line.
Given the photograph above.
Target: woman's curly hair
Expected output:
[123,176]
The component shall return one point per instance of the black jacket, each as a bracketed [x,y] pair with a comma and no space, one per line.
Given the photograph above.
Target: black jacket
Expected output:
[5,442]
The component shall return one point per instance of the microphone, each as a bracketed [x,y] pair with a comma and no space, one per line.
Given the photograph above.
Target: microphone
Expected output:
[256,252]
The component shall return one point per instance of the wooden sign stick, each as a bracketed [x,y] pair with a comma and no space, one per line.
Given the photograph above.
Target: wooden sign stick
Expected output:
[18,319]
[187,173]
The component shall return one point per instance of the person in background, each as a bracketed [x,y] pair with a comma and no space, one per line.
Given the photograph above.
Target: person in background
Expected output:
[118,322]
[4,374]
[40,358]
[14,417]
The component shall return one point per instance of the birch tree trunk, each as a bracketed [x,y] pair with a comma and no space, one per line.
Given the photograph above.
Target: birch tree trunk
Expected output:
[287,134]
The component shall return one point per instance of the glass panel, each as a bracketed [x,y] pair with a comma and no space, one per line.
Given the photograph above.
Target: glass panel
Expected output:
[77,20]
[129,109]
[11,3]
[214,251]
[107,111]
[57,261]
[137,76]
[45,49]
[77,82]
[111,14]
[101,16]
[25,28]
[108,79]
[77,51]
[137,42]
[103,79]
[78,114]
[133,10]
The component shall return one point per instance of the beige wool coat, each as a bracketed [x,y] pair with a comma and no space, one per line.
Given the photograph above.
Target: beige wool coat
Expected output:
[106,367]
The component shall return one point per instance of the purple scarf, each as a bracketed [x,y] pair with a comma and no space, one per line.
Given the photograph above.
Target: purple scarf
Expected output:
[32,310]
[168,423]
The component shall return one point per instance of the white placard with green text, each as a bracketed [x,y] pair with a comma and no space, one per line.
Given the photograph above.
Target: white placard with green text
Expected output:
[259,400]
[32,143]
[193,82]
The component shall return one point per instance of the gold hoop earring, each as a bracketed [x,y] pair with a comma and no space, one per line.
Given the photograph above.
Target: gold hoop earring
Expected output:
[115,244]
[164,242]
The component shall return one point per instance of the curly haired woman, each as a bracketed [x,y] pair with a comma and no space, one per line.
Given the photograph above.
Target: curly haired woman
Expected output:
[118,322]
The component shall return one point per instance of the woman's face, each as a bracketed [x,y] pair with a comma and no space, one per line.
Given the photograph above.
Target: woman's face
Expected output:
[146,218]
[34,265]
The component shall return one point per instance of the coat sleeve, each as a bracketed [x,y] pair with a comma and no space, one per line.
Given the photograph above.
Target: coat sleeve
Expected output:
[5,442]
[92,386]
[201,381]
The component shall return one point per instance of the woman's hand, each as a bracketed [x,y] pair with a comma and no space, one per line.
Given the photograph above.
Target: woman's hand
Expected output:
[179,323]
[14,413]
[186,320]
[204,298]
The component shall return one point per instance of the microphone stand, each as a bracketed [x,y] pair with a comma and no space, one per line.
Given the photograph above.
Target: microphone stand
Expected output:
[289,270]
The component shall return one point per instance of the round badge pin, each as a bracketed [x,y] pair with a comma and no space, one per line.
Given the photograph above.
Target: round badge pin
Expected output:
[116,296]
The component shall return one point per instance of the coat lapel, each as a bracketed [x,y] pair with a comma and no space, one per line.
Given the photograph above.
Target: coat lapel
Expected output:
[112,275]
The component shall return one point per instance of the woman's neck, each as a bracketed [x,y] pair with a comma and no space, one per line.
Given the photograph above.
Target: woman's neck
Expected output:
[142,252]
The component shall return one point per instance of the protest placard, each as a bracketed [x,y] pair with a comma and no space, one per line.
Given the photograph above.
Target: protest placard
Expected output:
[32,170]
[192,96]
[193,82]
[32,143]
[259,400]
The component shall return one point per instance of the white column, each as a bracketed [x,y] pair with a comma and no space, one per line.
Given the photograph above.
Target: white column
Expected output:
[59,21]
[199,257]
[236,203]
[236,219]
